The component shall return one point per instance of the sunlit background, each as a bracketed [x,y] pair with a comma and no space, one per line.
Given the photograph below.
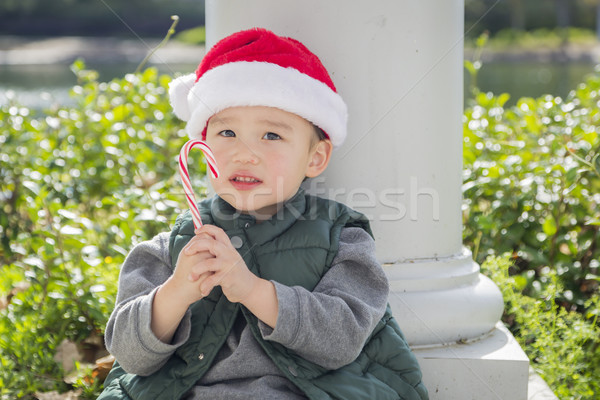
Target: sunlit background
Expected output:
[83,178]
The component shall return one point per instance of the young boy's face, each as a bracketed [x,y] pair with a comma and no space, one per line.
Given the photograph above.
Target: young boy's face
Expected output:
[263,155]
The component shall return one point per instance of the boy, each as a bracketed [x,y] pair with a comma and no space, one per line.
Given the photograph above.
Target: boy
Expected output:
[278,295]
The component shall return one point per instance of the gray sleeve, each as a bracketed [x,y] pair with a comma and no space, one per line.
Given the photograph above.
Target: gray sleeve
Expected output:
[330,325]
[128,334]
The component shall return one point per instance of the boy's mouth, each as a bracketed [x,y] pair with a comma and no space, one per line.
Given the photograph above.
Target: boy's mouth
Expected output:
[244,182]
[244,179]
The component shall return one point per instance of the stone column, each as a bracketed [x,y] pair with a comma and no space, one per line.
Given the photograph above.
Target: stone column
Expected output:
[399,66]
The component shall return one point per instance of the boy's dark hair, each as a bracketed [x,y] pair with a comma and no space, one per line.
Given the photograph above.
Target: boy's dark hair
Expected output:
[319,135]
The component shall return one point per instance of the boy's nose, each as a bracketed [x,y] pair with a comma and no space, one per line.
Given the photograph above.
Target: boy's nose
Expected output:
[244,154]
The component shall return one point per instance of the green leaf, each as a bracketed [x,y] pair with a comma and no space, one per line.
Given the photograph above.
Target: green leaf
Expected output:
[70,230]
[120,112]
[520,282]
[470,67]
[592,277]
[595,221]
[503,98]
[482,40]
[549,226]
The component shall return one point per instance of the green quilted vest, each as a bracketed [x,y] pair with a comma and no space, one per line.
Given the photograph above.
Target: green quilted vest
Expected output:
[296,247]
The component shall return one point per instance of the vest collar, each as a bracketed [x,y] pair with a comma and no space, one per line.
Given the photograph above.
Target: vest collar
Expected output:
[230,219]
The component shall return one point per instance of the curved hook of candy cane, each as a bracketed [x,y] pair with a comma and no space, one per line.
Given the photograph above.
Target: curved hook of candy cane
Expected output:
[185,176]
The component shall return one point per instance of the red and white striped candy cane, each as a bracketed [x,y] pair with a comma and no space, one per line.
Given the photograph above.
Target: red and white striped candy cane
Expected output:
[185,176]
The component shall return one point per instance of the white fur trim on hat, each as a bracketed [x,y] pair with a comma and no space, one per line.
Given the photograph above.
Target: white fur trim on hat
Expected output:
[265,84]
[178,93]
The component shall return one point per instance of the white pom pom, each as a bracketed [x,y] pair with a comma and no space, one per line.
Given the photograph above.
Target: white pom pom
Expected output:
[178,93]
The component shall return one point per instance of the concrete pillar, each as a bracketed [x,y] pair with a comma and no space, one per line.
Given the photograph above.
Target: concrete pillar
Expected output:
[399,66]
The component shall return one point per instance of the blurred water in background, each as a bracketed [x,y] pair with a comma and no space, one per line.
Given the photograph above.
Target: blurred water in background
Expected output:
[39,86]
[532,79]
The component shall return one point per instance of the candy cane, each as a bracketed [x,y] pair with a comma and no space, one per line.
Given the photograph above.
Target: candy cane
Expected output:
[185,176]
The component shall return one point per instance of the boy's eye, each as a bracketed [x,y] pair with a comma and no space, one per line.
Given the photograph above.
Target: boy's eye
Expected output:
[271,136]
[227,133]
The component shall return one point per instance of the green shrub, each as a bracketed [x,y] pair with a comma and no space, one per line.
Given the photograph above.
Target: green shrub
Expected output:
[532,192]
[78,186]
[562,345]
[532,186]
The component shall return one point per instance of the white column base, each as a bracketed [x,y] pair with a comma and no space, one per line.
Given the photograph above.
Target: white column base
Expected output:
[492,368]
[443,300]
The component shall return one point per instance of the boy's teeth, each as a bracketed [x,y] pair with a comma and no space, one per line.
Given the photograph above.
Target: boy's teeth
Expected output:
[245,179]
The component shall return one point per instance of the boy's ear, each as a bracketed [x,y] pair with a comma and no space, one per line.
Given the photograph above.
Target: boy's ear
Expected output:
[319,158]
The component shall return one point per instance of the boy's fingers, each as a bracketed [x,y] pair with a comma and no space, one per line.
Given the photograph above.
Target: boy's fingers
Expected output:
[200,235]
[208,285]
[206,266]
[195,239]
[194,277]
[200,244]
[213,246]
[216,232]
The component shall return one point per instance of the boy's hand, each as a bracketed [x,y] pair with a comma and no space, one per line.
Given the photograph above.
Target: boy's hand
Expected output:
[179,291]
[224,268]
[184,283]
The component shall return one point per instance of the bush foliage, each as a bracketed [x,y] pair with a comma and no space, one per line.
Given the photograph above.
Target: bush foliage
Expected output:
[532,186]
[79,185]
[563,346]
[532,193]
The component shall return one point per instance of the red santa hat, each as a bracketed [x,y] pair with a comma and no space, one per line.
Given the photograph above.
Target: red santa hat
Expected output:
[258,68]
